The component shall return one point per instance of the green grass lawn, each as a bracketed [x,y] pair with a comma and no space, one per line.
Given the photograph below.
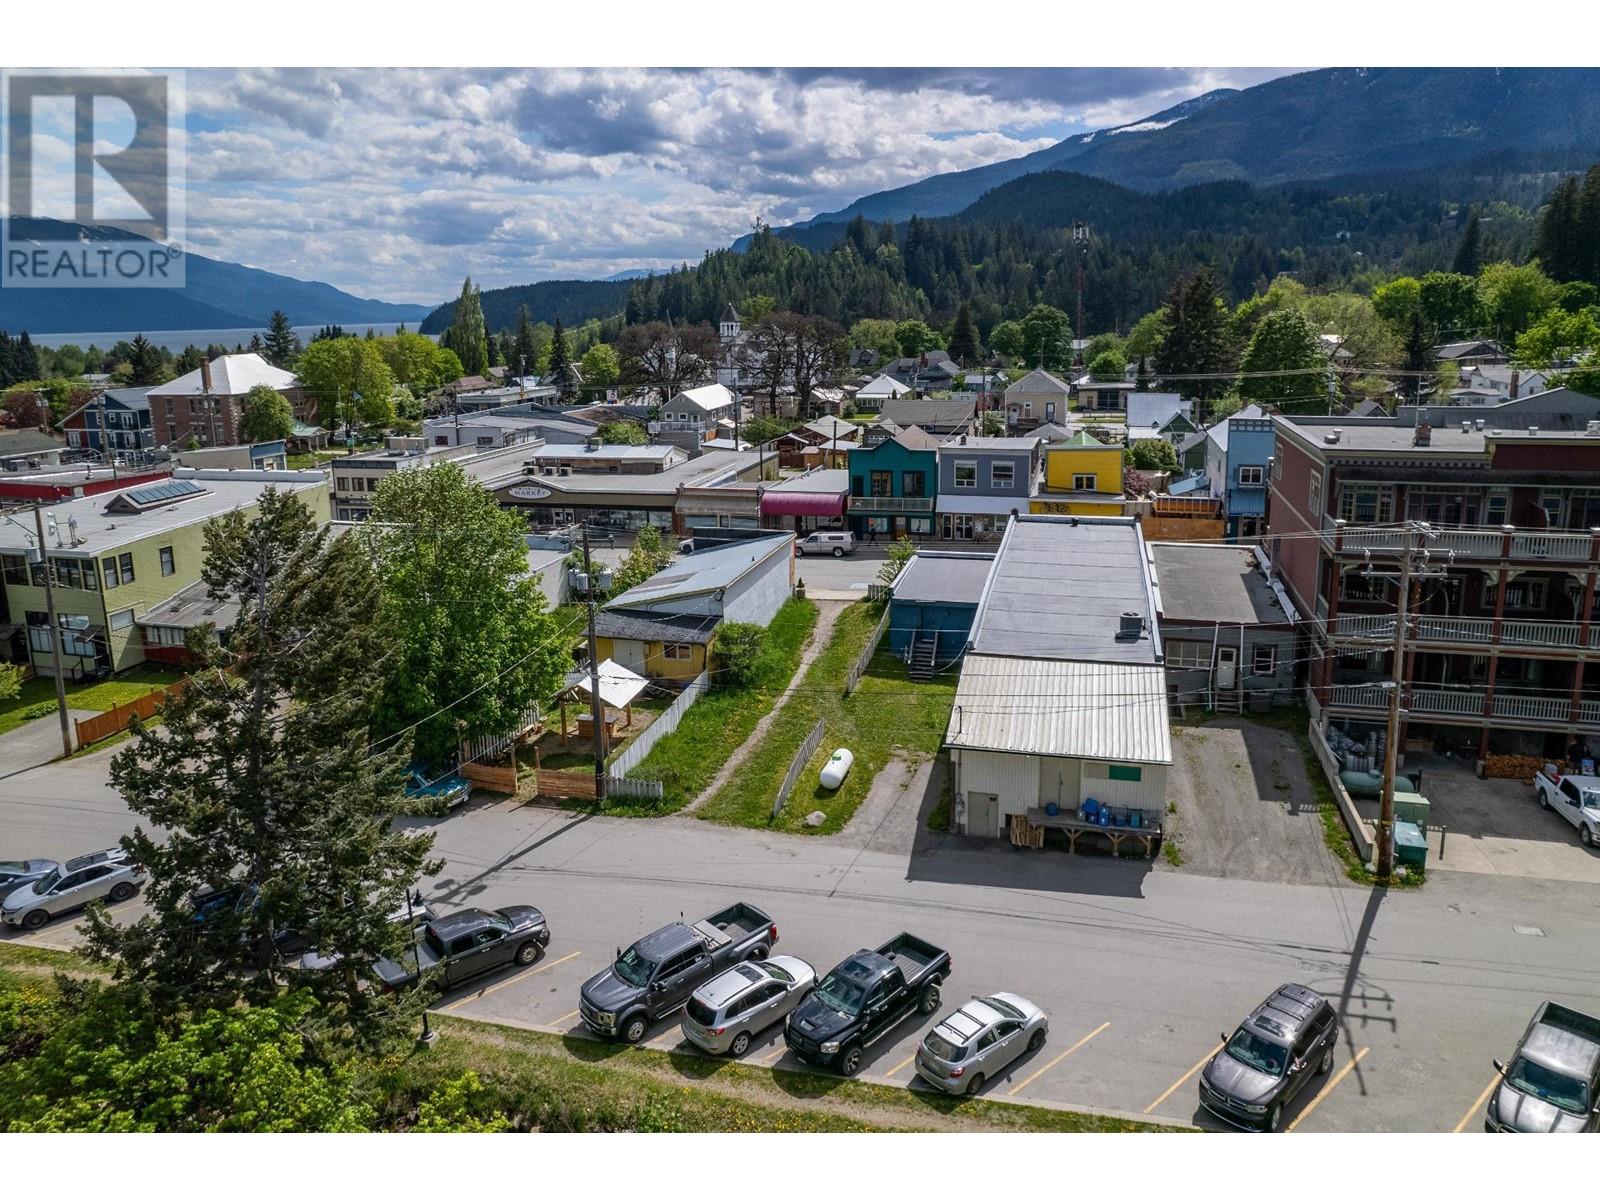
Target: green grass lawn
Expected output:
[689,757]
[96,696]
[888,714]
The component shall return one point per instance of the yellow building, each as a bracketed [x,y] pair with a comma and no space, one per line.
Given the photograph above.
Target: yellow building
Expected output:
[658,647]
[1082,478]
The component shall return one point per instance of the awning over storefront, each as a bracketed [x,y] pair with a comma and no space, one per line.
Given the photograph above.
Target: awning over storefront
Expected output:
[802,504]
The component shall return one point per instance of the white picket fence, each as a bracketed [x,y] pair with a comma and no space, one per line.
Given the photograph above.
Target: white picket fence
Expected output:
[657,729]
[491,747]
[792,776]
[853,680]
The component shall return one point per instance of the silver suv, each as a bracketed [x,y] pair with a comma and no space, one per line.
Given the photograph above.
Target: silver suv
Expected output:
[980,1040]
[1265,1063]
[105,875]
[726,1012]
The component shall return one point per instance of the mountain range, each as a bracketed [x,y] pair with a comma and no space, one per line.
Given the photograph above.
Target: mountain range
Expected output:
[215,295]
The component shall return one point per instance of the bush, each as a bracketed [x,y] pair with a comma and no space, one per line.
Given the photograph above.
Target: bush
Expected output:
[42,709]
[739,650]
[1153,454]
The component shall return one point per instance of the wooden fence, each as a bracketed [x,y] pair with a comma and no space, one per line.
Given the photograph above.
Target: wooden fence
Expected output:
[853,680]
[566,785]
[798,764]
[103,725]
[496,779]
[637,749]
[492,746]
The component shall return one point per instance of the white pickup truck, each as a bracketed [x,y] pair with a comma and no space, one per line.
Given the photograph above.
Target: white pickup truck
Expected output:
[1575,797]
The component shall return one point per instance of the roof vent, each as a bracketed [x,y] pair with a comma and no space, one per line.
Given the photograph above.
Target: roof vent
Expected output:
[1332,436]
[1481,424]
[1422,435]
[1592,429]
[1533,430]
[1466,427]
[1129,627]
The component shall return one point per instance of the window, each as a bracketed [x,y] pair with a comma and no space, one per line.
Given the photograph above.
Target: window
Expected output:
[1527,593]
[680,652]
[1085,483]
[1250,476]
[109,570]
[1125,774]
[1314,493]
[121,620]
[74,641]
[1263,660]
[1353,585]
[883,483]
[486,936]
[1002,475]
[168,567]
[14,568]
[68,572]
[1366,505]
[1191,656]
[966,474]
[125,565]
[911,483]
[1494,508]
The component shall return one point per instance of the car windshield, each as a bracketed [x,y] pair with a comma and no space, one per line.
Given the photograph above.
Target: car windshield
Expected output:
[1257,1053]
[840,994]
[1004,1009]
[13,868]
[1591,799]
[777,973]
[46,882]
[632,967]
[943,1049]
[1565,1092]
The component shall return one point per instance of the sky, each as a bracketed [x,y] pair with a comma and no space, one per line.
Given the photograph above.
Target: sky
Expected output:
[396,183]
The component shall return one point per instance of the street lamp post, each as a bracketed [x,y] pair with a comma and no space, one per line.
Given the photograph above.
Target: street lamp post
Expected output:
[428,1035]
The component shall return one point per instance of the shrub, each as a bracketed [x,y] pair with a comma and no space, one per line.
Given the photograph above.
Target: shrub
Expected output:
[739,649]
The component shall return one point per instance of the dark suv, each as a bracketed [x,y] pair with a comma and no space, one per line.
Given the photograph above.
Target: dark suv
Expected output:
[1266,1062]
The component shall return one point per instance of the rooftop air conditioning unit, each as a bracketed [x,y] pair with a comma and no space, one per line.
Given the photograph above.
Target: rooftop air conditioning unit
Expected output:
[1129,627]
[564,471]
[1332,436]
[1592,429]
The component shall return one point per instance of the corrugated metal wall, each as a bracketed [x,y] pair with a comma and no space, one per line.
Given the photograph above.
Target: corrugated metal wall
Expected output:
[1024,781]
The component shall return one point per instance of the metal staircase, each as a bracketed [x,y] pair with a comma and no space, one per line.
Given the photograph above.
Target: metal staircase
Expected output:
[924,655]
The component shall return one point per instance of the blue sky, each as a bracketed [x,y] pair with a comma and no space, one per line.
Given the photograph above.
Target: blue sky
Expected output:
[396,183]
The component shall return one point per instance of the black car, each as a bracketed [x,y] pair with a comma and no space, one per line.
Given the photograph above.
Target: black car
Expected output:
[1265,1063]
[470,942]
[20,873]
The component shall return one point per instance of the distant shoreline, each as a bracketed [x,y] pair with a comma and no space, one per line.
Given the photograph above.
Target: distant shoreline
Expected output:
[176,339]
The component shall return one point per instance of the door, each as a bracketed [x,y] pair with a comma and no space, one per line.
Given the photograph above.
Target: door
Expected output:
[679,978]
[983,814]
[1009,1043]
[875,1013]
[629,654]
[765,1006]
[1227,667]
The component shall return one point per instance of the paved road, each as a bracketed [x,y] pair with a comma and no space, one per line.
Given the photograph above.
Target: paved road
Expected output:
[1140,969]
[35,742]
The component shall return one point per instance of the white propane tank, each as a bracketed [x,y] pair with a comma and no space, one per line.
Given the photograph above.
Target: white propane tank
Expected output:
[836,768]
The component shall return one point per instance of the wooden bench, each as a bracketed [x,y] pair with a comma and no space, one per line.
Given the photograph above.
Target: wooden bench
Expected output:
[1147,833]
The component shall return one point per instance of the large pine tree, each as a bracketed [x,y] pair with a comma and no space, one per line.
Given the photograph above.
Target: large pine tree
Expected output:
[1196,341]
[559,370]
[263,779]
[1469,252]
[525,351]
[467,334]
[964,346]
[281,343]
[1556,241]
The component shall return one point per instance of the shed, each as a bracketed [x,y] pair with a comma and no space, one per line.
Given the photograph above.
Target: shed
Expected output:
[932,604]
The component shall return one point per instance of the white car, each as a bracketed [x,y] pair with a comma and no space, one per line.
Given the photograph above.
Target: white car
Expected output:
[1575,797]
[106,875]
[836,544]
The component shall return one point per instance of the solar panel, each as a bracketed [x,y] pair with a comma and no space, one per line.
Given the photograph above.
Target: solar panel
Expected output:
[171,489]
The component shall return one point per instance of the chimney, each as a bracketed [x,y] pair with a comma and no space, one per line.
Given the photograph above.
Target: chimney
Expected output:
[1423,435]
[1515,376]
[205,375]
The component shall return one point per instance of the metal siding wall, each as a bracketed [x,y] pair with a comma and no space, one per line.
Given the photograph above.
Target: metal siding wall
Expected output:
[757,597]
[1012,777]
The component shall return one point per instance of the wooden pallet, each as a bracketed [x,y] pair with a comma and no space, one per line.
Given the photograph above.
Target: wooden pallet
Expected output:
[1025,833]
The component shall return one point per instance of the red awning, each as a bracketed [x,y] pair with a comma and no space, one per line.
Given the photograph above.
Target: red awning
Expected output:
[802,504]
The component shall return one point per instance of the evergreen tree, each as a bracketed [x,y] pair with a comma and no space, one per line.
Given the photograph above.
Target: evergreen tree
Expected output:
[1418,356]
[1469,253]
[467,335]
[1556,240]
[1141,380]
[964,346]
[263,778]
[525,351]
[1588,239]
[559,370]
[144,362]
[281,343]
[1196,341]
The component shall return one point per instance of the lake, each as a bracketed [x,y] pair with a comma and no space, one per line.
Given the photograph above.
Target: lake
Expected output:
[177,339]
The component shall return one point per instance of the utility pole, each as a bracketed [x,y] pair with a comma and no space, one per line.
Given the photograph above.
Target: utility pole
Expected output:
[597,707]
[55,631]
[1080,238]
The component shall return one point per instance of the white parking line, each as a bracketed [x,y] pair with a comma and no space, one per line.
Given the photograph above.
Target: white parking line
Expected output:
[479,995]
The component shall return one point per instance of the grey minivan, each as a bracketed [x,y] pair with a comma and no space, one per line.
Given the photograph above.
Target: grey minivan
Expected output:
[1265,1063]
[726,1012]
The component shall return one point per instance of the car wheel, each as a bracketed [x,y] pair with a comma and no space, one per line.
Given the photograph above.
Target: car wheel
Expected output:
[635,1028]
[929,1000]
[975,1084]
[1586,836]
[121,892]
[526,953]
[1036,1041]
[850,1060]
[1326,1064]
[35,919]
[838,552]
[1544,799]
[1274,1118]
[740,1044]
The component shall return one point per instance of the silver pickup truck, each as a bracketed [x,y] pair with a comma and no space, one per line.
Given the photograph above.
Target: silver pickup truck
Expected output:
[1575,797]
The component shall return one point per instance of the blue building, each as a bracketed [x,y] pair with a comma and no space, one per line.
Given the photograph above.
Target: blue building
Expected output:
[1238,456]
[893,486]
[932,604]
[117,419]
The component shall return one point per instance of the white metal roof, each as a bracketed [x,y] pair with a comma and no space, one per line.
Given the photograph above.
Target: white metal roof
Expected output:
[713,397]
[1101,710]
[231,375]
[618,685]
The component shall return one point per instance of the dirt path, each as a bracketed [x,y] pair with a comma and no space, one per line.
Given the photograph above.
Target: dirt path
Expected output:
[821,633]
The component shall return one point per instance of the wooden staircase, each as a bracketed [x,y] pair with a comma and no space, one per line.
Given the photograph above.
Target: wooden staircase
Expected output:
[923,656]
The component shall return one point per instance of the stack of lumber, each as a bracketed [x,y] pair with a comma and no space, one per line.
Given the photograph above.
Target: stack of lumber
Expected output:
[1511,766]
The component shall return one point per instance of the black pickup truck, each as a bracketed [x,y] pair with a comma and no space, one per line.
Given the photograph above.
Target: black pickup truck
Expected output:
[467,943]
[863,998]
[658,973]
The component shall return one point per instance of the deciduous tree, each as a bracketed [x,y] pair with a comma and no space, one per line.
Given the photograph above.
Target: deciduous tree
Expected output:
[1283,341]
[265,415]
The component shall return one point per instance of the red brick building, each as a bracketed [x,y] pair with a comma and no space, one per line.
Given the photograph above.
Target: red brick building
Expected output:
[206,403]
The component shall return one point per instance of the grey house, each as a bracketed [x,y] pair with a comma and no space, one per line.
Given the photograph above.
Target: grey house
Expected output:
[1228,632]
[983,481]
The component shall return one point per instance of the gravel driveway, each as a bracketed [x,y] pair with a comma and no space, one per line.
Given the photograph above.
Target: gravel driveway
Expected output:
[1245,808]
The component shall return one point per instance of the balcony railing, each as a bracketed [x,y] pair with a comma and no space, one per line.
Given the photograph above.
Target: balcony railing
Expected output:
[1517,545]
[1378,628]
[891,504]
[1470,703]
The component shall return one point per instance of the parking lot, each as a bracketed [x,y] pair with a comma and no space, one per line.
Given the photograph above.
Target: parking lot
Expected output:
[1140,970]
